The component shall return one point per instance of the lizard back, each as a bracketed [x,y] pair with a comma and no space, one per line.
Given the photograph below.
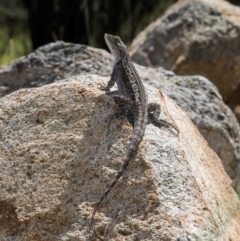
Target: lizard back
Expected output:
[131,89]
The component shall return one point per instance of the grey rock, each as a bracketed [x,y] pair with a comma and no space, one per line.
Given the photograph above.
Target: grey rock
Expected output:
[51,63]
[195,37]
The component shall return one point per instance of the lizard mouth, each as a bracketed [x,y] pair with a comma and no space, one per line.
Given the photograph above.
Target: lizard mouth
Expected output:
[112,45]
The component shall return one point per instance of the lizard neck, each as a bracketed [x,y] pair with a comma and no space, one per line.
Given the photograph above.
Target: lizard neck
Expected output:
[118,59]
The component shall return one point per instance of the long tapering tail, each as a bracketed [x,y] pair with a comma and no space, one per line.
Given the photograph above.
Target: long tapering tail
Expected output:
[131,154]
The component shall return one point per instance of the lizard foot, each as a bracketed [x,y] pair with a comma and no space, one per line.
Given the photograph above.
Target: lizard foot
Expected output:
[103,87]
[154,111]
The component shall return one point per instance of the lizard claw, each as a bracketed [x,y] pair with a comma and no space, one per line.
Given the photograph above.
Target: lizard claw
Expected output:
[103,87]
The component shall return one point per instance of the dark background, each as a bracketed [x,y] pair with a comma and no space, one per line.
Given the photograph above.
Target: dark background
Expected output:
[27,24]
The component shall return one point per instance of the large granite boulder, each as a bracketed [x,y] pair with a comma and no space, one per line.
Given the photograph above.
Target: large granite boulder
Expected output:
[57,157]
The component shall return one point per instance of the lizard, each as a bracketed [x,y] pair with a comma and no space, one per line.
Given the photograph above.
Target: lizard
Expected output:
[133,98]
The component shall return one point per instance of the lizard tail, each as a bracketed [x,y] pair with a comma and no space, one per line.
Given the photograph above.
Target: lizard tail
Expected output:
[131,153]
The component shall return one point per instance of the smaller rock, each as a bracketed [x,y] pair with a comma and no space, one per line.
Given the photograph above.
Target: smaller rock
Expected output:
[195,37]
[53,62]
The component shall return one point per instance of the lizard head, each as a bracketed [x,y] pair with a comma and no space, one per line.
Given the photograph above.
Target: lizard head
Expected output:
[116,46]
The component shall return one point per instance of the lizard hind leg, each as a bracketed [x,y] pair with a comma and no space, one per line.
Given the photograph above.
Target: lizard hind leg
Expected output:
[154,111]
[117,115]
[124,108]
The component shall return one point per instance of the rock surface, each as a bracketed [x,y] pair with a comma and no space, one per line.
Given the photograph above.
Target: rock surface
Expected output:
[195,37]
[204,105]
[57,158]
[195,94]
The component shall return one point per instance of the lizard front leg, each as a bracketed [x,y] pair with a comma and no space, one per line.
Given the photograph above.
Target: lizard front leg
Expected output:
[154,111]
[109,85]
[123,103]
